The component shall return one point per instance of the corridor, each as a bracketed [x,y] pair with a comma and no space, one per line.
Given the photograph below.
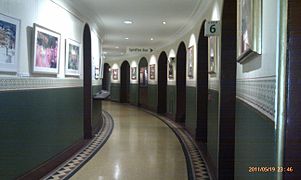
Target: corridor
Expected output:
[141,147]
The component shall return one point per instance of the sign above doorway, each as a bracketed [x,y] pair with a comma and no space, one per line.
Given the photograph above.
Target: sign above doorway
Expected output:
[212,28]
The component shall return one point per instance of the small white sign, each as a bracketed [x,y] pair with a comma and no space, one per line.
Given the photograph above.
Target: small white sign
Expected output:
[139,50]
[212,28]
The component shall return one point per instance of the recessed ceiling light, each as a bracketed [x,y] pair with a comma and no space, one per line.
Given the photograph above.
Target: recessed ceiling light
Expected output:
[152,39]
[105,52]
[128,22]
[164,22]
[126,38]
[116,47]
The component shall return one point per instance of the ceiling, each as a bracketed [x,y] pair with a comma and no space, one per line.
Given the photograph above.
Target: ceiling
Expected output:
[147,17]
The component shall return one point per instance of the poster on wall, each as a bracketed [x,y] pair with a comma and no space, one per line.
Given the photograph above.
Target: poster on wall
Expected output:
[134,73]
[72,58]
[96,71]
[9,43]
[212,55]
[143,77]
[190,61]
[171,68]
[152,74]
[249,29]
[115,74]
[46,50]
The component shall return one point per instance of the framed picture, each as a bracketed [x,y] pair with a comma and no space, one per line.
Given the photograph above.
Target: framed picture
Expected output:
[9,43]
[46,50]
[115,74]
[171,63]
[143,77]
[152,69]
[72,64]
[212,55]
[96,71]
[190,61]
[134,73]
[249,29]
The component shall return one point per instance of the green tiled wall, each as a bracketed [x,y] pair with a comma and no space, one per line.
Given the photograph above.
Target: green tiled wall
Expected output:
[134,94]
[254,143]
[191,110]
[35,125]
[115,92]
[171,100]
[152,97]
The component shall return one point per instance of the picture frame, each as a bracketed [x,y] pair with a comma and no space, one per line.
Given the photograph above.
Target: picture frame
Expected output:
[152,73]
[171,63]
[212,55]
[190,62]
[9,43]
[249,29]
[46,50]
[115,74]
[133,73]
[143,81]
[72,60]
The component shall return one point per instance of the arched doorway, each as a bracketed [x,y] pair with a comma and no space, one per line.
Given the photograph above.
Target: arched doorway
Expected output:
[106,77]
[181,84]
[202,87]
[87,83]
[125,82]
[143,83]
[162,83]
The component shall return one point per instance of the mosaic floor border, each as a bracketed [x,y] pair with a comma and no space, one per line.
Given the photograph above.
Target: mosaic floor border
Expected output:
[71,166]
[196,165]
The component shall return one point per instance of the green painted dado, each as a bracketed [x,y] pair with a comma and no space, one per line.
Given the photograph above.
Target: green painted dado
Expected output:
[134,94]
[152,97]
[171,100]
[254,143]
[115,92]
[191,109]
[96,111]
[35,125]
[212,136]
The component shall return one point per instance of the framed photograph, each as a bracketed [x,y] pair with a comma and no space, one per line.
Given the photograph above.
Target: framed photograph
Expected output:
[96,71]
[190,62]
[152,74]
[46,50]
[171,63]
[72,64]
[134,73]
[143,77]
[115,74]
[9,43]
[249,40]
[212,54]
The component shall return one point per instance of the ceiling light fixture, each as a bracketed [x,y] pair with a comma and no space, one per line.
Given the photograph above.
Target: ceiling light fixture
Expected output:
[126,38]
[128,22]
[116,47]
[164,22]
[152,39]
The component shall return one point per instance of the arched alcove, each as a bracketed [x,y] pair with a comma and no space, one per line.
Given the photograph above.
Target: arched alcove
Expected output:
[181,83]
[87,82]
[202,86]
[106,80]
[162,83]
[125,82]
[143,83]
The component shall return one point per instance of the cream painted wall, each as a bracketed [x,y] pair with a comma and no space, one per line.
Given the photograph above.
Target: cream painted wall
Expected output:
[52,16]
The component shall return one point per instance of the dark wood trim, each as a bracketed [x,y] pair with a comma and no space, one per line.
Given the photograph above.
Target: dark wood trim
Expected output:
[292,146]
[228,91]
[162,83]
[54,162]
[181,83]
[202,86]
[125,82]
[87,83]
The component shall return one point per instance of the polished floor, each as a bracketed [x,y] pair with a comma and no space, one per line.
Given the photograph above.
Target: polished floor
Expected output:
[141,147]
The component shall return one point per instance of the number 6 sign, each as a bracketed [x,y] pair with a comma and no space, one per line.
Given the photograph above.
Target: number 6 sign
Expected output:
[212,28]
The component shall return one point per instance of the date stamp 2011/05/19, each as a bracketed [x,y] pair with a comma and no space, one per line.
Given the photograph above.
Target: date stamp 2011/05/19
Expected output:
[268,169]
